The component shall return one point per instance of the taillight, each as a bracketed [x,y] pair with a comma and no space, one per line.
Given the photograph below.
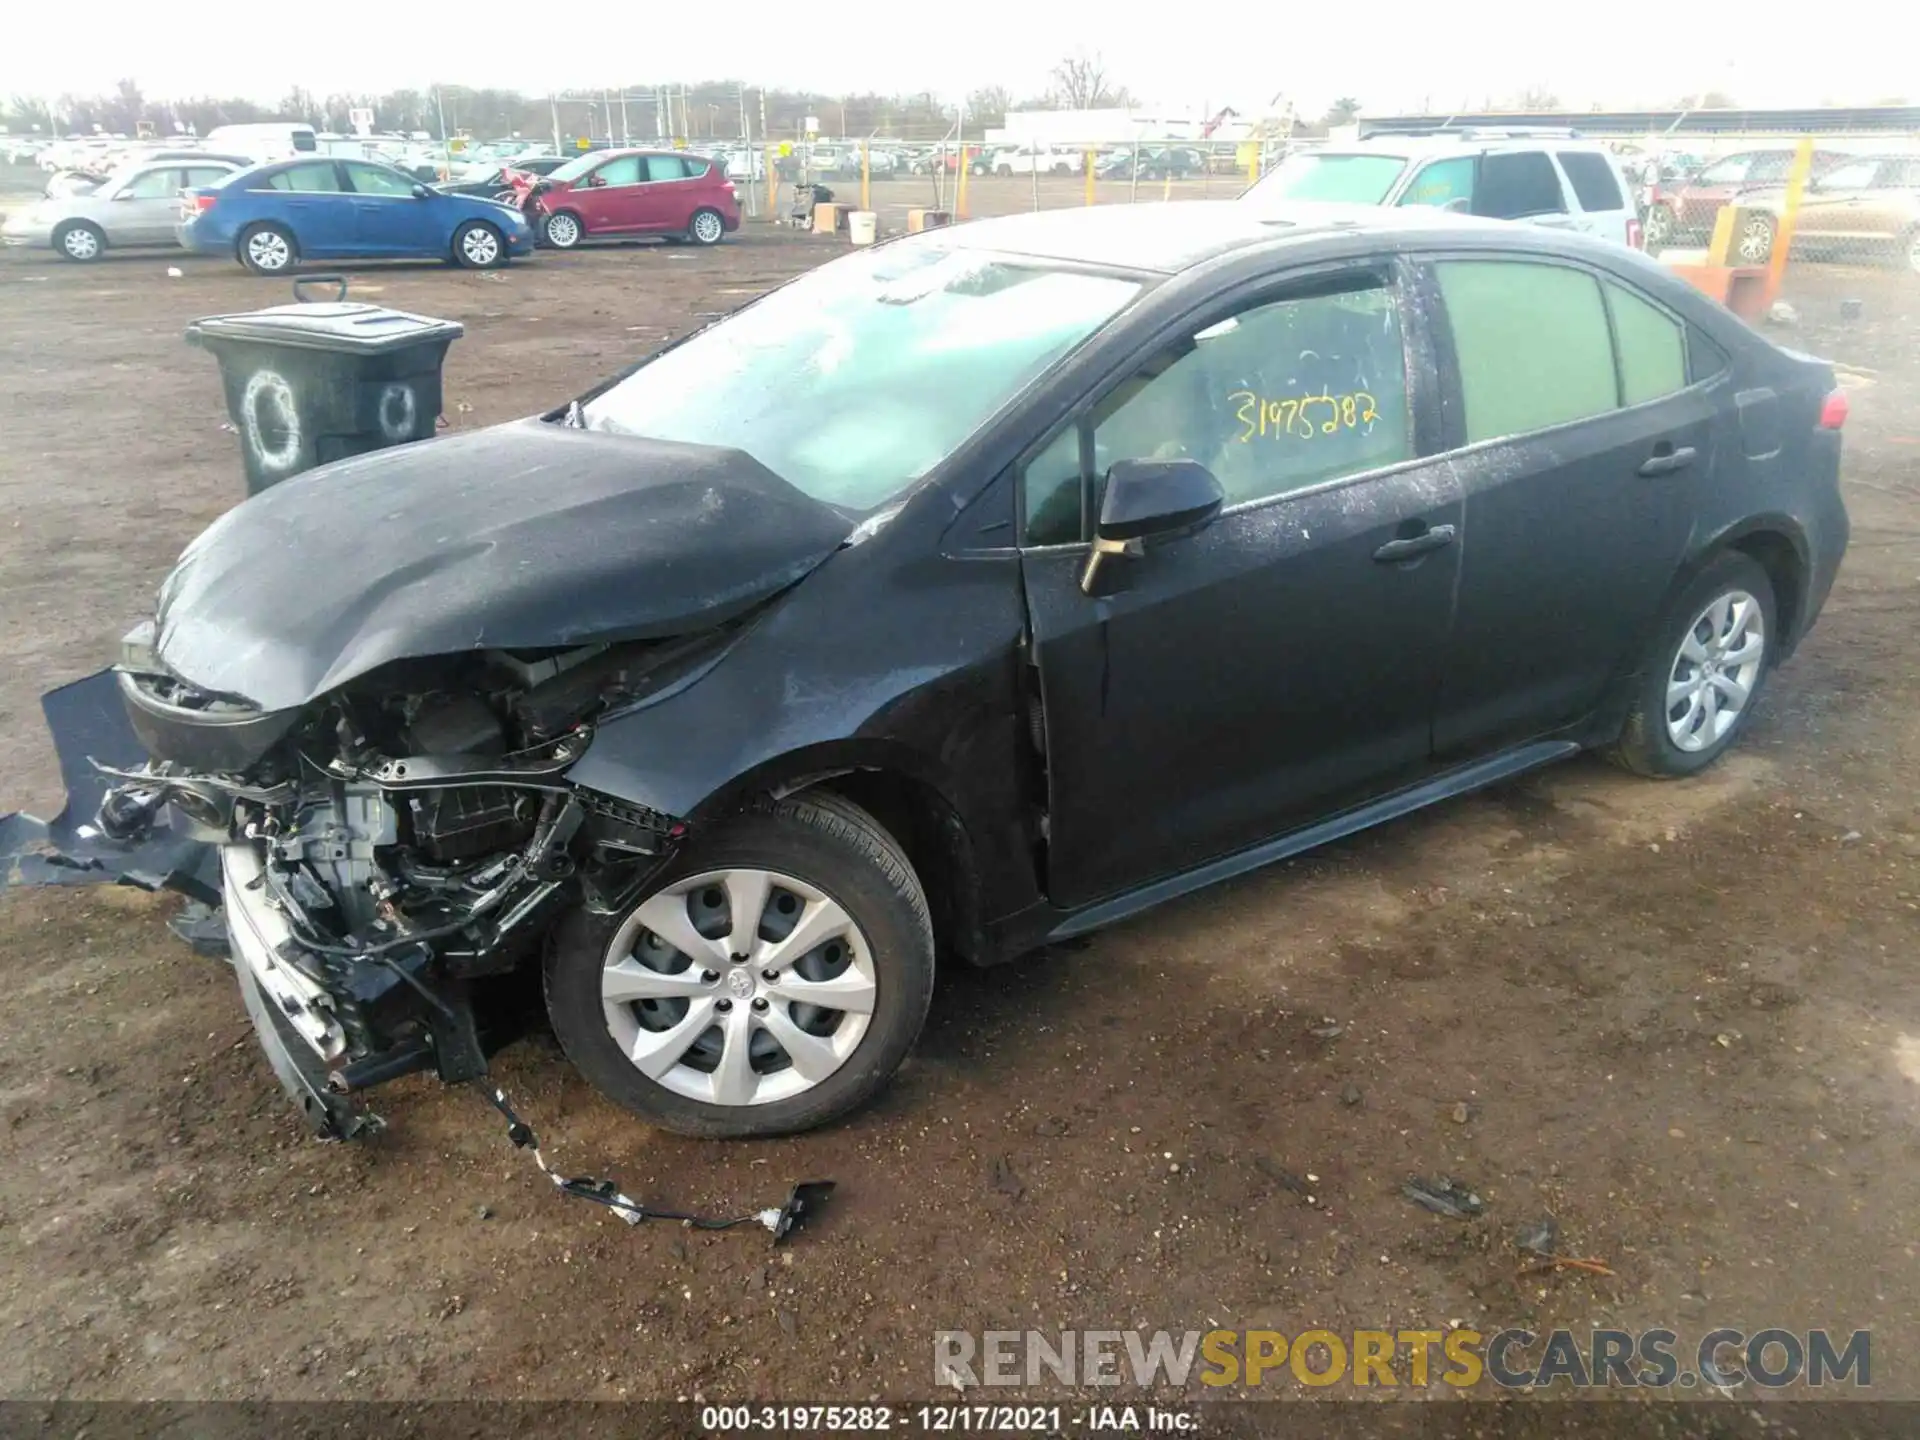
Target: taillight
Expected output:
[1636,237]
[1833,411]
[203,203]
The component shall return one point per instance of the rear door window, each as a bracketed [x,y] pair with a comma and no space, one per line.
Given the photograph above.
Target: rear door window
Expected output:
[318,178]
[666,167]
[202,175]
[1518,185]
[1532,345]
[1653,347]
[1592,180]
[1730,171]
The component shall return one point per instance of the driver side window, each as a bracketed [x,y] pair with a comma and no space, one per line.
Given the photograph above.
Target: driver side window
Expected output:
[1280,396]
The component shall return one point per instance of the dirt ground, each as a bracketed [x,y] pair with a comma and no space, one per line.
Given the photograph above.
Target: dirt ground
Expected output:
[1681,1019]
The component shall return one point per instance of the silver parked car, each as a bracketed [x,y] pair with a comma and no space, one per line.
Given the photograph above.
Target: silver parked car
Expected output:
[136,205]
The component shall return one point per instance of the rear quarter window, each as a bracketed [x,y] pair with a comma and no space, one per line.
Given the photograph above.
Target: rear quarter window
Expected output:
[304,142]
[1592,179]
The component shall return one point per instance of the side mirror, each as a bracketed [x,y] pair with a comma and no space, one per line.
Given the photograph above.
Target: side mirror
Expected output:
[421,192]
[1459,205]
[1150,498]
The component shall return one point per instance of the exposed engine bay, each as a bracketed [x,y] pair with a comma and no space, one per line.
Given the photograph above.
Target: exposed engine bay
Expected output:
[388,844]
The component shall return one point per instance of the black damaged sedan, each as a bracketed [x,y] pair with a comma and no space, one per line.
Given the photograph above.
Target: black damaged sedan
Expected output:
[963,595]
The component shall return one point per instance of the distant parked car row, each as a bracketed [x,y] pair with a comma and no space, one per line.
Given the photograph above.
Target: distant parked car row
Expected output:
[272,217]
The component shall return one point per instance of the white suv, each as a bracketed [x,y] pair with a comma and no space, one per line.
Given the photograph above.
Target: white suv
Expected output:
[1554,179]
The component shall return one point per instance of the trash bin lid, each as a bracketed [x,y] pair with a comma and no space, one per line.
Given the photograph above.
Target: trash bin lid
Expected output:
[347,327]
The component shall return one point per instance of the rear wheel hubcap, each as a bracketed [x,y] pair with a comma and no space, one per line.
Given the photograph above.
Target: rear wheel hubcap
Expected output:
[1714,671]
[706,228]
[269,250]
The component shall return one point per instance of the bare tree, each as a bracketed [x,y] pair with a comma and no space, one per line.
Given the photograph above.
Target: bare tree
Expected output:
[1537,97]
[1081,82]
[1343,111]
[989,105]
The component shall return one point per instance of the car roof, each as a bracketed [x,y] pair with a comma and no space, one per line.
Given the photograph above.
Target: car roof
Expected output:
[1454,141]
[1176,235]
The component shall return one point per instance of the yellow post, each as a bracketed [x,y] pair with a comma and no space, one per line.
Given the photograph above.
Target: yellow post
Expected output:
[1789,214]
[1090,170]
[1720,245]
[1166,190]
[1253,164]
[866,178]
[960,188]
[773,184]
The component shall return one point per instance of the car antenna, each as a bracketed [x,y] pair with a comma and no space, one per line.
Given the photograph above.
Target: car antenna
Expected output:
[801,1201]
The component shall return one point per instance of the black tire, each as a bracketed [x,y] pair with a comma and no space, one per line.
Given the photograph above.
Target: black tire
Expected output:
[80,242]
[707,227]
[571,230]
[1645,746]
[256,245]
[827,843]
[470,251]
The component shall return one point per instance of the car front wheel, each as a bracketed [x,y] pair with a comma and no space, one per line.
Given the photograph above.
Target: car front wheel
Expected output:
[774,979]
[563,230]
[268,250]
[478,246]
[1699,679]
[80,241]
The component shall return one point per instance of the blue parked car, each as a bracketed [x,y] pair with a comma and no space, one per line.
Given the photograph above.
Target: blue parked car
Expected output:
[272,217]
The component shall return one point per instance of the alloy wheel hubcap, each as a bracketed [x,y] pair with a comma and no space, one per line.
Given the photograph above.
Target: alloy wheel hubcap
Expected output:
[562,231]
[481,247]
[269,250]
[81,245]
[1755,243]
[706,228]
[1714,672]
[739,987]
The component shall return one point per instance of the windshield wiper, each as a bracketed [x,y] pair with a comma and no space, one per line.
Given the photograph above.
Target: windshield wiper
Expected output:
[576,416]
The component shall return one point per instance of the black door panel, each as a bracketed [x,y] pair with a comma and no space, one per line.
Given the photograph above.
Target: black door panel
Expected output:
[1570,550]
[1240,681]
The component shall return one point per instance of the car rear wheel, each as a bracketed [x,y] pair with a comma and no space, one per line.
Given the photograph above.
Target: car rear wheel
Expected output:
[478,246]
[1657,229]
[563,230]
[1755,245]
[706,228]
[1700,677]
[774,979]
[80,241]
[268,250]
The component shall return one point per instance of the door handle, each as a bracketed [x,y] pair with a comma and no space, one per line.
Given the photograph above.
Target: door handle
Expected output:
[1666,459]
[1413,546]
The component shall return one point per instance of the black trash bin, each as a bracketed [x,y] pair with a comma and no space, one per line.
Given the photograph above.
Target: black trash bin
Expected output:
[314,382]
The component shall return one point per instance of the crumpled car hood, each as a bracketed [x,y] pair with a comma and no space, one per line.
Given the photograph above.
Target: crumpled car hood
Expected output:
[524,536]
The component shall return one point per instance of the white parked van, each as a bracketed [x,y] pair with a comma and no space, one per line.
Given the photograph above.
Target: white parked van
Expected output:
[269,140]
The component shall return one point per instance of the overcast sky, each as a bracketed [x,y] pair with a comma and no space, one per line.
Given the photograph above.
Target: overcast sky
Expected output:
[1390,54]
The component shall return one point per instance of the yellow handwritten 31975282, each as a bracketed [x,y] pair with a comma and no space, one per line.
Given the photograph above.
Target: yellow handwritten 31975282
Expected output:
[1303,416]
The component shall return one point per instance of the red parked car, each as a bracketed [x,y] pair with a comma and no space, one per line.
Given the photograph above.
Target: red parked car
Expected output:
[1683,212]
[634,192]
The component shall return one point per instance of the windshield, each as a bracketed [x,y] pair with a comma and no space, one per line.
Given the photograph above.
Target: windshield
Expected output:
[574,169]
[858,378]
[1358,179]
